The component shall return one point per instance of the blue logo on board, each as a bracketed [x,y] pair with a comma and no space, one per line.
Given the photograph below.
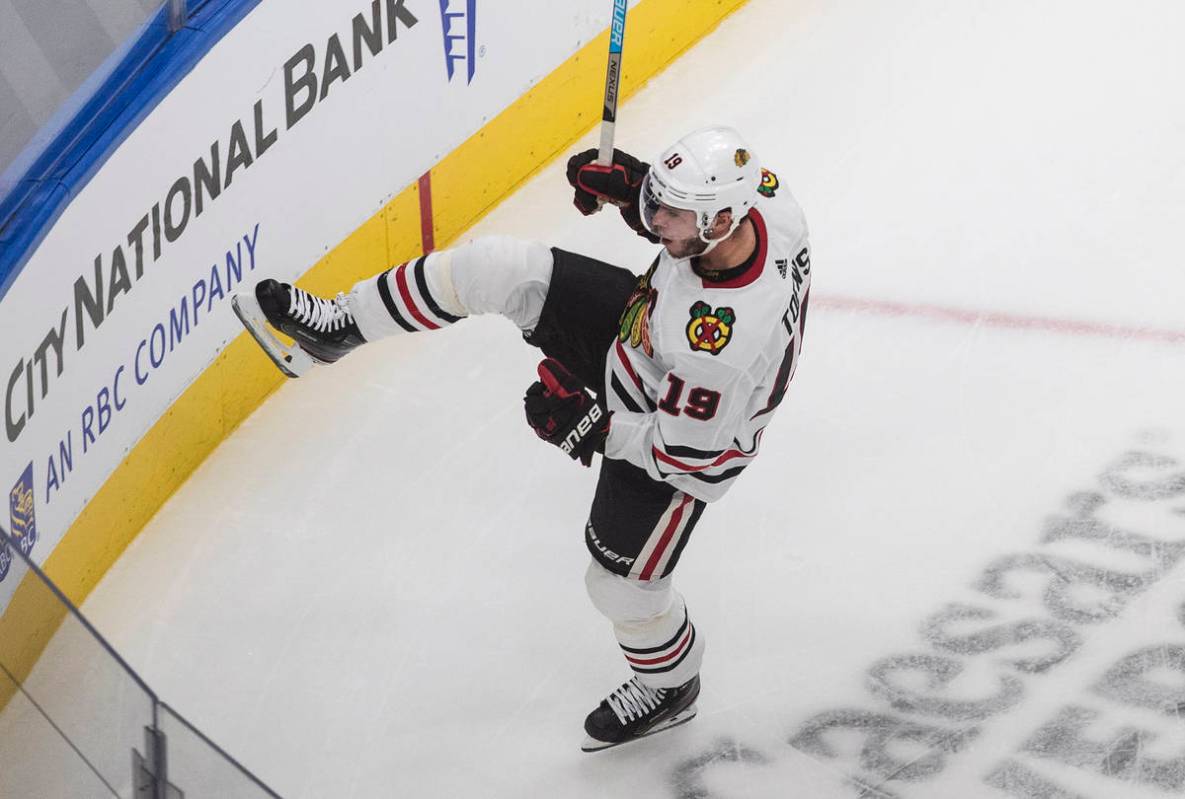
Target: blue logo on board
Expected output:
[21,518]
[458,19]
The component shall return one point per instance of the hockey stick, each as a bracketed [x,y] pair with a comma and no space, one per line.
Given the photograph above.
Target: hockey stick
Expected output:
[612,84]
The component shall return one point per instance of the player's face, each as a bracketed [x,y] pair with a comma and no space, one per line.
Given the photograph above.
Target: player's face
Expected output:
[675,226]
[677,229]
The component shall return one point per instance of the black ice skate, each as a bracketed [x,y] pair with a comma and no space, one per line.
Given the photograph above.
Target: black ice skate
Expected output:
[634,711]
[324,330]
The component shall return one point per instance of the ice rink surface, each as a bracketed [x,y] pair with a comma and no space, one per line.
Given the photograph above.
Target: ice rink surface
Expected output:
[954,572]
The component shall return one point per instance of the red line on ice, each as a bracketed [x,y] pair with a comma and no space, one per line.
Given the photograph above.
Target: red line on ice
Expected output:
[968,316]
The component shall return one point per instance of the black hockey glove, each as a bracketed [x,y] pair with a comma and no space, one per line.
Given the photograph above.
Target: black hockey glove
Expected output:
[562,412]
[619,184]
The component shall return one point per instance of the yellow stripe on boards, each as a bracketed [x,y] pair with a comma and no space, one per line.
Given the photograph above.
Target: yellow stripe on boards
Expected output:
[466,184]
[217,402]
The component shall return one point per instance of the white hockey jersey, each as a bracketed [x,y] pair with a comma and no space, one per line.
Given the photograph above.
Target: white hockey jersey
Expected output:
[700,365]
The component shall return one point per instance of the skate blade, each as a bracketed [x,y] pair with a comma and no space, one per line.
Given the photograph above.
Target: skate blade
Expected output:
[593,745]
[292,361]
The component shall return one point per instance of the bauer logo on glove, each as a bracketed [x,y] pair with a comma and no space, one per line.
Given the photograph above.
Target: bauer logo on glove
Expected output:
[561,411]
[583,428]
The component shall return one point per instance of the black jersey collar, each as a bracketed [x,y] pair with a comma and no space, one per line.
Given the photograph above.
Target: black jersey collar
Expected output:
[747,272]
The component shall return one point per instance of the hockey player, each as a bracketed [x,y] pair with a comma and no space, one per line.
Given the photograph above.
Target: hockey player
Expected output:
[672,376]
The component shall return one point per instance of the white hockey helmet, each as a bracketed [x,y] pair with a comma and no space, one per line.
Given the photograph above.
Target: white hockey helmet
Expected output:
[707,171]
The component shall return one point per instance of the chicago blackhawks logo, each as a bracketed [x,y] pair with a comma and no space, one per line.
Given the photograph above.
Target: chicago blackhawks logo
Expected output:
[769,184]
[708,330]
[635,322]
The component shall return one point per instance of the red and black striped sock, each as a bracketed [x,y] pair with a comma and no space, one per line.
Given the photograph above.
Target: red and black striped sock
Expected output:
[408,298]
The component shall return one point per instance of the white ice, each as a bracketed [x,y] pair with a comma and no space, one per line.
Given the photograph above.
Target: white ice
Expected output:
[374,587]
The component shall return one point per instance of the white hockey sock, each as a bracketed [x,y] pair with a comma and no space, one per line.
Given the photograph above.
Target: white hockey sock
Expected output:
[492,274]
[665,652]
[408,298]
[651,624]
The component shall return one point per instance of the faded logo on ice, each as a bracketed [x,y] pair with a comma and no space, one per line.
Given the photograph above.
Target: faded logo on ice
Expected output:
[947,698]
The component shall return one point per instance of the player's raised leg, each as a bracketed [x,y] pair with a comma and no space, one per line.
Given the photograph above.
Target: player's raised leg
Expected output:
[489,275]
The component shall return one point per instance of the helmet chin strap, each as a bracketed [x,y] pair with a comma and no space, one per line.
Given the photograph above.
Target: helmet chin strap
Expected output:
[711,243]
[703,235]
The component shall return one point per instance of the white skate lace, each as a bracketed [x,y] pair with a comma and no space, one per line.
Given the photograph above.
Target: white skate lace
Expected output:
[634,700]
[319,313]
